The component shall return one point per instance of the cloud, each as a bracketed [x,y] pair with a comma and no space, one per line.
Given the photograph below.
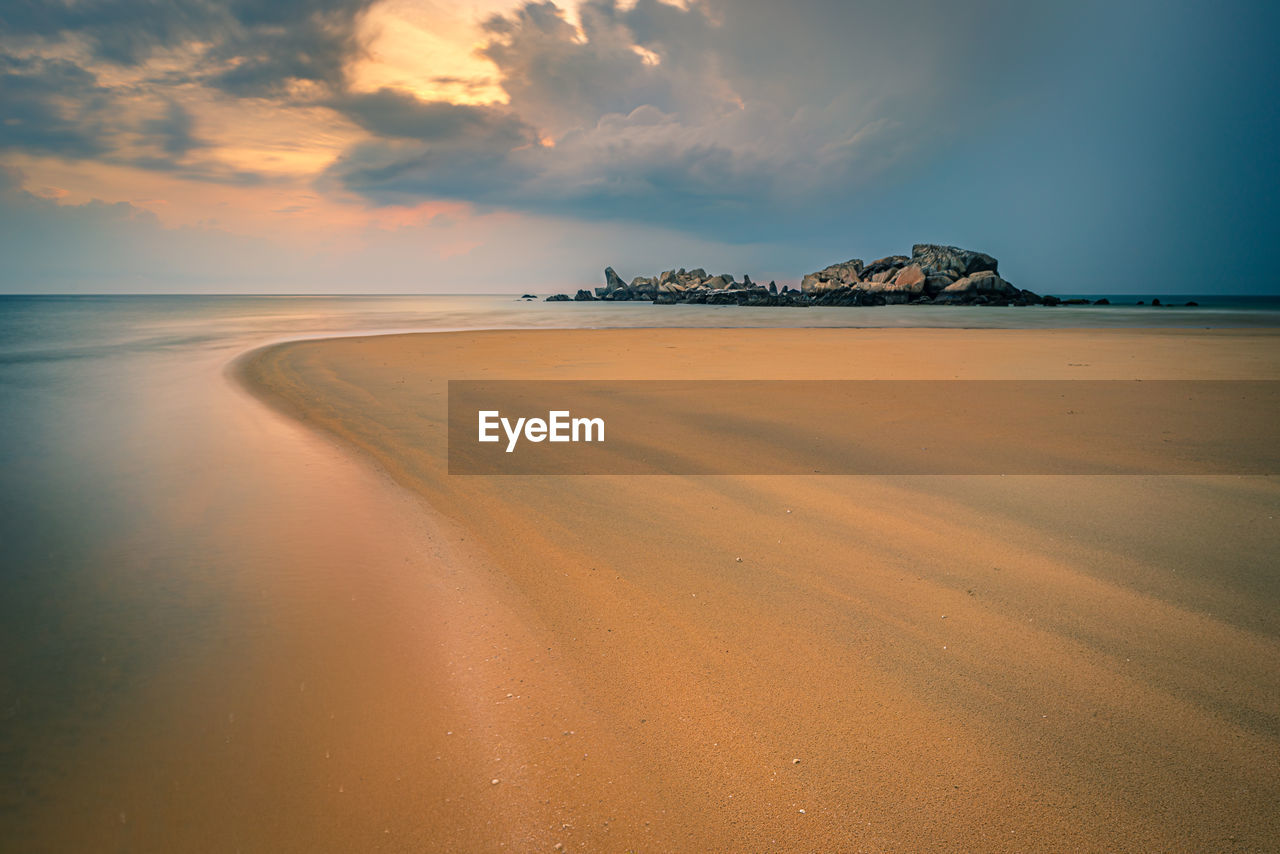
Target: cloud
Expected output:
[174,130]
[731,118]
[56,107]
[127,82]
[1032,128]
[735,119]
[389,113]
[51,106]
[631,119]
[271,44]
[253,48]
[561,81]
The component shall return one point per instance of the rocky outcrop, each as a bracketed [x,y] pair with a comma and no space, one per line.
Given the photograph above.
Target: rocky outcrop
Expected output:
[984,283]
[933,274]
[612,281]
[834,277]
[909,280]
[952,260]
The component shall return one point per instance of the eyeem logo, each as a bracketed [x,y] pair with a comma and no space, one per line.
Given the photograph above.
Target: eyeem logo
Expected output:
[558,426]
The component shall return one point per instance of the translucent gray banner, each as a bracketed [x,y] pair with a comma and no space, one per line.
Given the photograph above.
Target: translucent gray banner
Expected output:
[875,427]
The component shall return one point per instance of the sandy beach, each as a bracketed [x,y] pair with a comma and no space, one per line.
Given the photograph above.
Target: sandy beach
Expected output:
[811,663]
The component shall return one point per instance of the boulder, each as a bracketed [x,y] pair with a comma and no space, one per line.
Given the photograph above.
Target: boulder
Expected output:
[909,282]
[584,295]
[910,276]
[935,283]
[612,281]
[845,274]
[952,260]
[982,283]
[643,285]
[558,298]
[890,262]
[816,282]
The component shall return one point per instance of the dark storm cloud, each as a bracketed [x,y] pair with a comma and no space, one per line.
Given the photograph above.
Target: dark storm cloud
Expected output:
[174,130]
[54,107]
[121,31]
[1037,128]
[561,81]
[389,113]
[431,149]
[261,46]
[643,167]
[273,43]
[51,107]
[660,114]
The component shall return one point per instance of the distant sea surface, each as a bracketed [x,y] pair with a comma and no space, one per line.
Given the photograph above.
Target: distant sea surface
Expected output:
[123,456]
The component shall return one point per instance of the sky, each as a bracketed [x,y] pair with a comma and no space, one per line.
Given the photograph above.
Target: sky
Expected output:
[426,146]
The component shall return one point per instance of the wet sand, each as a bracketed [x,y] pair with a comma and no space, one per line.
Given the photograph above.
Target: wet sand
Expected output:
[895,663]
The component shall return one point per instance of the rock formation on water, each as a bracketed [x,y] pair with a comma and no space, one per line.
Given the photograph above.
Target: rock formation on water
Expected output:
[932,274]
